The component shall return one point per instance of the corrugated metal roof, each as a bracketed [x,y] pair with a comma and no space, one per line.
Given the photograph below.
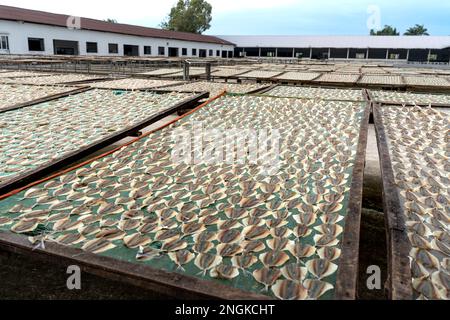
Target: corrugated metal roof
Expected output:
[381,42]
[60,20]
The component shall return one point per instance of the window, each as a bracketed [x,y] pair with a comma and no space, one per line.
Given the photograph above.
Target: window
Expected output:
[36,44]
[113,48]
[161,51]
[394,56]
[432,57]
[218,53]
[210,53]
[147,50]
[194,52]
[91,47]
[360,56]
[4,43]
[184,52]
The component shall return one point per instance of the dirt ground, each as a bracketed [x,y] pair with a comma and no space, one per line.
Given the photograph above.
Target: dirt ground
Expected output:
[24,278]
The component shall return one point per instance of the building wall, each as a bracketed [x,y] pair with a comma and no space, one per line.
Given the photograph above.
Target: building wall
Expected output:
[19,33]
[416,55]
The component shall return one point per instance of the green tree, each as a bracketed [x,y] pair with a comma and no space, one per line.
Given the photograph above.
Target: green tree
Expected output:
[111,20]
[386,31]
[189,16]
[417,30]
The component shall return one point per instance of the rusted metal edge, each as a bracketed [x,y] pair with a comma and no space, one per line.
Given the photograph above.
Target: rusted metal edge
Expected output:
[167,283]
[228,77]
[400,277]
[347,276]
[159,90]
[46,99]
[51,167]
[436,105]
[87,81]
[263,90]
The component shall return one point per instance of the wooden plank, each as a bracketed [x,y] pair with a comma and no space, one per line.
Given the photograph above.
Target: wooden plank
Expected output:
[348,271]
[400,277]
[167,283]
[48,168]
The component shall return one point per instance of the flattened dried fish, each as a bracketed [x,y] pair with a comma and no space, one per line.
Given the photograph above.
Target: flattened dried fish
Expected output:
[294,272]
[136,240]
[228,250]
[111,234]
[25,226]
[267,277]
[206,261]
[289,290]
[246,261]
[317,288]
[226,272]
[255,233]
[274,258]
[181,258]
[98,246]
[174,245]
[230,236]
[321,268]
[147,254]
[70,239]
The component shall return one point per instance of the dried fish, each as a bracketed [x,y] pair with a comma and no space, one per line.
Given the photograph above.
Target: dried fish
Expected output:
[267,277]
[181,258]
[98,246]
[224,271]
[321,268]
[274,259]
[289,290]
[206,261]
[136,240]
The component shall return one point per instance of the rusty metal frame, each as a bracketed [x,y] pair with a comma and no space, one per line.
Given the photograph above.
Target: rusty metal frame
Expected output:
[293,81]
[45,99]
[383,102]
[187,287]
[53,166]
[155,89]
[399,278]
[364,94]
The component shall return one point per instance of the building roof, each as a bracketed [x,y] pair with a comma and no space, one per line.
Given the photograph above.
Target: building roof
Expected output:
[376,42]
[60,20]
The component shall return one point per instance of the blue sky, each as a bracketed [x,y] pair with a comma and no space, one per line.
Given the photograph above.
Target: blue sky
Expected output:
[267,17]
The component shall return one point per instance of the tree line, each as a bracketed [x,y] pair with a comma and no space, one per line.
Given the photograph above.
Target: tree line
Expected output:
[417,30]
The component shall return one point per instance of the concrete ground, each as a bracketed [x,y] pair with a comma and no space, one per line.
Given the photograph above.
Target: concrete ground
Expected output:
[24,278]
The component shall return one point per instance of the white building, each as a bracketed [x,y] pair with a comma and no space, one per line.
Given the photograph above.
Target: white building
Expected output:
[407,48]
[24,31]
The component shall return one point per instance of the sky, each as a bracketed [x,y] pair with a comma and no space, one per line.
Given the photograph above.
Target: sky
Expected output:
[269,17]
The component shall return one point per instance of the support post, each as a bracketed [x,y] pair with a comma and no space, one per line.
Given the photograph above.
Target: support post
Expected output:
[186,71]
[208,71]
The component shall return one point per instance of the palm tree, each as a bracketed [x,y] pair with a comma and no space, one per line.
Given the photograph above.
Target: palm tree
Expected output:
[417,30]
[386,31]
